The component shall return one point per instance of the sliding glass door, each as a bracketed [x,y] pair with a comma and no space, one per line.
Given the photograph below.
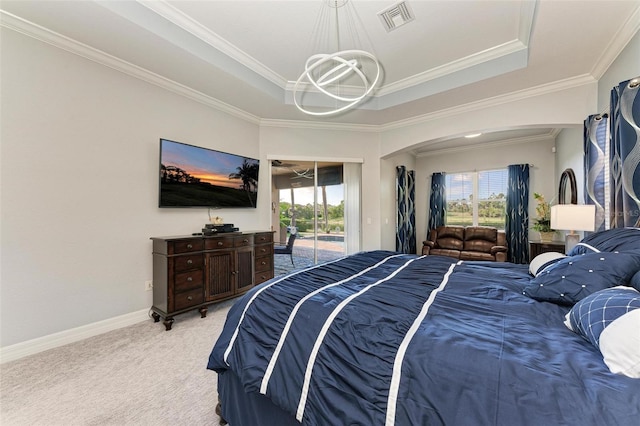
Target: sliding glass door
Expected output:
[319,201]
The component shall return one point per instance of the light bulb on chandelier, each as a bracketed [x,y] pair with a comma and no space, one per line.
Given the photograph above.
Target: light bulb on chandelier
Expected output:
[327,73]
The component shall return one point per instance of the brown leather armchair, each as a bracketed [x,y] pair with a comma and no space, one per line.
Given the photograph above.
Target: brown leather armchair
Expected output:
[467,243]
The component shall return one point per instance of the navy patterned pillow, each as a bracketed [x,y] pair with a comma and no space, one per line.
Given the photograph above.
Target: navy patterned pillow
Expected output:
[594,313]
[576,277]
[610,320]
[615,239]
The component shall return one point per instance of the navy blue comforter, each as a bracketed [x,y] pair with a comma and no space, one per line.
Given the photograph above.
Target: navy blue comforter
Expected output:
[381,338]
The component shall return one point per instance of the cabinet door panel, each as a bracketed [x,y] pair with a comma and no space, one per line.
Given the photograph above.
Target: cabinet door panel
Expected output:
[244,269]
[220,275]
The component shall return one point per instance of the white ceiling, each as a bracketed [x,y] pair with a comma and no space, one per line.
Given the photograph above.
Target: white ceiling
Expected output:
[247,54]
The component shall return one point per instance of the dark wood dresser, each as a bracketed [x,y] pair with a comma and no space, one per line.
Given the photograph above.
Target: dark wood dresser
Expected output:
[192,272]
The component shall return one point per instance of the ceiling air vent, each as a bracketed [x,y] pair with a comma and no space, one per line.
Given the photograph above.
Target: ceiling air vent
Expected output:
[396,16]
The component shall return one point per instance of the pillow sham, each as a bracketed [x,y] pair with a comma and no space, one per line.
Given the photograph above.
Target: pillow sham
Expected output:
[620,239]
[544,260]
[575,277]
[610,320]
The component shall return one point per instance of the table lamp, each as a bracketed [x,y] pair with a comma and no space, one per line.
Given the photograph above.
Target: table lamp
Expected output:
[573,217]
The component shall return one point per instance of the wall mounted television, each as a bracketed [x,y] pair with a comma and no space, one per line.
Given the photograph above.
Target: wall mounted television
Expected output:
[192,176]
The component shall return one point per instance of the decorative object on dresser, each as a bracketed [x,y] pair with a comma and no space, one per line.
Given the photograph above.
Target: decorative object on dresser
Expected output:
[212,229]
[193,272]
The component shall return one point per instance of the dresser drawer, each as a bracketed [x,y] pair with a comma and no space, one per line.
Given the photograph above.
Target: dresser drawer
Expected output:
[265,237]
[261,277]
[187,280]
[185,246]
[264,250]
[187,262]
[218,243]
[243,241]
[188,299]
[264,263]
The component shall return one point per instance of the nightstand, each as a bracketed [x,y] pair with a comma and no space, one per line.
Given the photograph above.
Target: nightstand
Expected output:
[538,247]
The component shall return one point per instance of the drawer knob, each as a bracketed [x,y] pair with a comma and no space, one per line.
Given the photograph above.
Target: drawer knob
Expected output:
[220,243]
[189,246]
[189,262]
[189,279]
[263,250]
[190,298]
[264,263]
[245,241]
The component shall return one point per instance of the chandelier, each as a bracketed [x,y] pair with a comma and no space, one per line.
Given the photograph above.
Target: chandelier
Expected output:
[344,78]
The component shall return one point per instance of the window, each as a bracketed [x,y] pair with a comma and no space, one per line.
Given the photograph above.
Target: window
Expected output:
[477,198]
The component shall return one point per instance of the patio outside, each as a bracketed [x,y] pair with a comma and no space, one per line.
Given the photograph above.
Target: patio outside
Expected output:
[330,246]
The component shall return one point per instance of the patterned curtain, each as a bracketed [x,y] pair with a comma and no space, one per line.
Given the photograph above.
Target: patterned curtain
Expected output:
[625,154]
[517,220]
[596,138]
[406,217]
[437,202]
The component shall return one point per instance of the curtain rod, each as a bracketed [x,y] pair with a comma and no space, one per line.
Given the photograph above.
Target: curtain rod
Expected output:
[484,170]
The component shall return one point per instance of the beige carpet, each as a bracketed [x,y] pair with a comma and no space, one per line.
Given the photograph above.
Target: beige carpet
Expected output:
[138,375]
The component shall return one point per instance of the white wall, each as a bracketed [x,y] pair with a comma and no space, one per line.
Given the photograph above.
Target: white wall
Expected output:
[79,172]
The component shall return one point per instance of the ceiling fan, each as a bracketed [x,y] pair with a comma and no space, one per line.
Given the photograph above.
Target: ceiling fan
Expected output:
[304,174]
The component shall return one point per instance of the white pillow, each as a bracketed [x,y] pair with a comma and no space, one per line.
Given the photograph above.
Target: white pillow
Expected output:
[543,260]
[620,345]
[610,320]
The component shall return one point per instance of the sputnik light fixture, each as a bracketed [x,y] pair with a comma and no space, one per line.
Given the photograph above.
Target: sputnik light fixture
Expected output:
[344,78]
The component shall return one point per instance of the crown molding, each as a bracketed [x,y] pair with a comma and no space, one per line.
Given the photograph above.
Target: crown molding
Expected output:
[542,89]
[60,41]
[478,58]
[617,44]
[318,125]
[193,27]
[45,35]
[515,141]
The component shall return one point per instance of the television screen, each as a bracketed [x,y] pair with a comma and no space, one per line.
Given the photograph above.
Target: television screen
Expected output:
[191,176]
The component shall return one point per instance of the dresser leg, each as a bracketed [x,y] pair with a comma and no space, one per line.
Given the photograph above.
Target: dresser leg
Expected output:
[168,322]
[219,413]
[203,311]
[155,316]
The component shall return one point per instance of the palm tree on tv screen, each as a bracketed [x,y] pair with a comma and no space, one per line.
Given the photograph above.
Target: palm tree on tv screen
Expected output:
[248,174]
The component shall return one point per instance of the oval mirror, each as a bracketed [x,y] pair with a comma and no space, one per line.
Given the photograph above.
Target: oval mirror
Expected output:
[568,176]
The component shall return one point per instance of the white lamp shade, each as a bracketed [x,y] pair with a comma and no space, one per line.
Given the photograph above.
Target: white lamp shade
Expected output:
[573,217]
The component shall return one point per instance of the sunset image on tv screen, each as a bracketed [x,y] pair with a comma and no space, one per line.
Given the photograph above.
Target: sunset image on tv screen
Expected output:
[191,176]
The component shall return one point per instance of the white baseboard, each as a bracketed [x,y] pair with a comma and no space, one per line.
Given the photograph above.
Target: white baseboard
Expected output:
[34,346]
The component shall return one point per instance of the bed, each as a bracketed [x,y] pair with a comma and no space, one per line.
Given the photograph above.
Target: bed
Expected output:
[381,338]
